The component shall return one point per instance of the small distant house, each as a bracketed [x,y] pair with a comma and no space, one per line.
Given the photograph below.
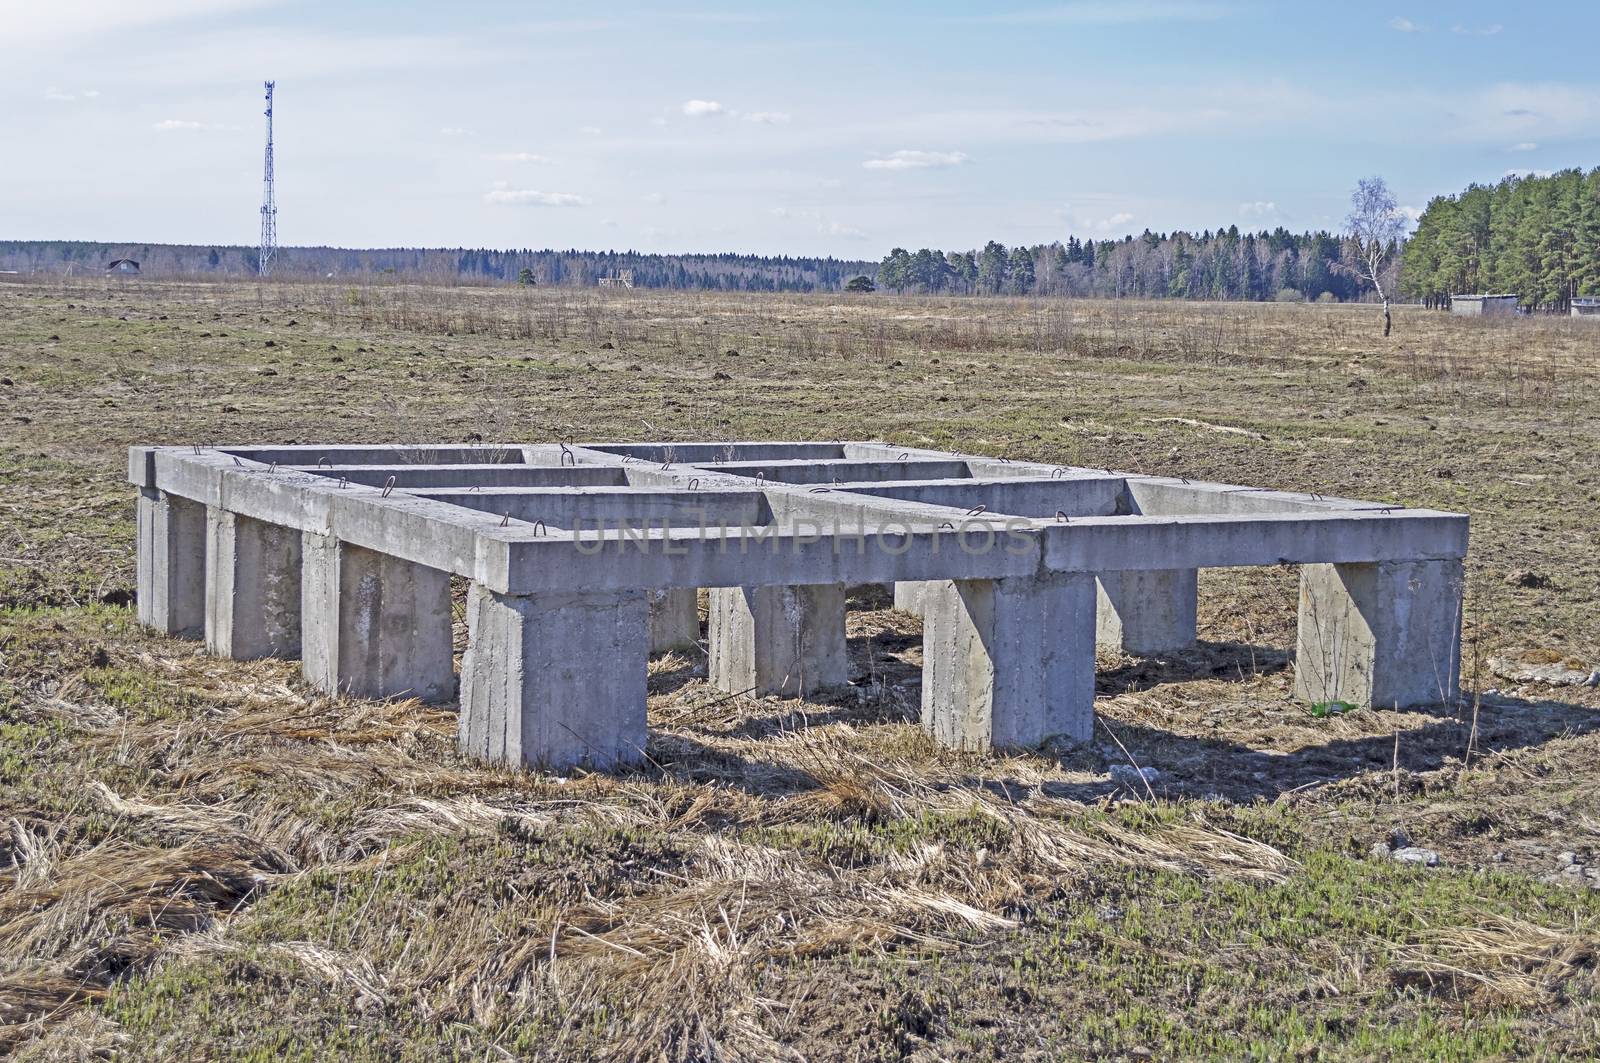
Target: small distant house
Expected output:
[125,266]
[1483,305]
[623,278]
[1586,306]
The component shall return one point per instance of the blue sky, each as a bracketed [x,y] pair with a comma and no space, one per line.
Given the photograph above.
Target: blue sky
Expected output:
[805,128]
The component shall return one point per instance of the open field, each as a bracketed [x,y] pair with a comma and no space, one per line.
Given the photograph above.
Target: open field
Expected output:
[202,858]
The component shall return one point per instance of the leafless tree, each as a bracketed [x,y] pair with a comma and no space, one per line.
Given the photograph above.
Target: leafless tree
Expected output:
[1376,224]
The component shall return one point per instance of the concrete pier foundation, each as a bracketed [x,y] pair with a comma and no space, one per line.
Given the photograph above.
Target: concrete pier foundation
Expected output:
[1385,634]
[252,587]
[583,558]
[778,640]
[555,680]
[1147,612]
[171,563]
[909,595]
[374,626]
[1008,663]
[674,619]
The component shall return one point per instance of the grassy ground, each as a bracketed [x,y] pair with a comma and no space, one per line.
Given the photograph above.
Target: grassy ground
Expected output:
[203,858]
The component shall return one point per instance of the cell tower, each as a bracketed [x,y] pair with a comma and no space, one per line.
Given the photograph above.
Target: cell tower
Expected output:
[269,205]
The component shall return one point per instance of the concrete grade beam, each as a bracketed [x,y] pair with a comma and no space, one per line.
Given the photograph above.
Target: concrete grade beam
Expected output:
[842,472]
[1021,497]
[407,477]
[612,506]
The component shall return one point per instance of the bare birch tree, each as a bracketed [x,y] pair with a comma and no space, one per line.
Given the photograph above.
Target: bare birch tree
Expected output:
[1376,224]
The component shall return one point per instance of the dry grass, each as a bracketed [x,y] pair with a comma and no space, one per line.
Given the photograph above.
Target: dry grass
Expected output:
[202,857]
[1505,961]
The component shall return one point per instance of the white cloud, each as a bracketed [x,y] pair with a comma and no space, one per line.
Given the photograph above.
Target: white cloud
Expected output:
[527,197]
[766,117]
[590,130]
[1412,214]
[22,21]
[1526,145]
[55,95]
[1492,30]
[454,131]
[179,125]
[916,160]
[703,108]
[654,198]
[1523,112]
[819,223]
[1405,25]
[1258,209]
[90,94]
[1111,225]
[514,156]
[1100,13]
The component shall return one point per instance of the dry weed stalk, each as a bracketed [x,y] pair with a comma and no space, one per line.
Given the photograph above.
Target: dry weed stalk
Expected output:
[1503,961]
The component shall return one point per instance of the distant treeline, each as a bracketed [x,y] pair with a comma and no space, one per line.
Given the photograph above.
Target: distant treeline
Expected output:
[1536,237]
[1225,264]
[724,272]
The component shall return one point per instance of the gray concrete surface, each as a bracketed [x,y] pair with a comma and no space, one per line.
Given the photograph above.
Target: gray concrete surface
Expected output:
[1147,612]
[674,619]
[1385,634]
[252,587]
[171,564]
[777,640]
[555,681]
[1009,663]
[374,626]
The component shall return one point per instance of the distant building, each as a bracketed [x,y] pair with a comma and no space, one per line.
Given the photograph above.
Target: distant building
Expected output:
[1481,305]
[623,278]
[1586,306]
[125,266]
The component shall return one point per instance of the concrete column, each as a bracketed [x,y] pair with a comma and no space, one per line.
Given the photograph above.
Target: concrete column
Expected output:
[171,563]
[555,680]
[674,619]
[1147,611]
[778,640]
[1386,634]
[252,587]
[373,625]
[909,595]
[1008,663]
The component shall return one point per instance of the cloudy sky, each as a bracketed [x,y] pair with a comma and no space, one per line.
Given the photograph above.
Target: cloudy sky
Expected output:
[818,127]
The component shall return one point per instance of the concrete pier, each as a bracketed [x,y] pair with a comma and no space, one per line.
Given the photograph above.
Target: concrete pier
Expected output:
[555,680]
[374,626]
[778,640]
[1385,634]
[171,563]
[252,587]
[1008,663]
[674,619]
[1147,612]
[909,595]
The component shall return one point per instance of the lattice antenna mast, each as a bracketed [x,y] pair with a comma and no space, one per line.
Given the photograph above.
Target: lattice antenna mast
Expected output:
[269,205]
